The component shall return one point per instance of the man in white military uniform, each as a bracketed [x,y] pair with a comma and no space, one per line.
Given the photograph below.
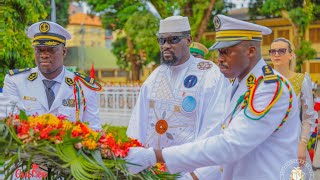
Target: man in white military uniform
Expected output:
[182,98]
[261,127]
[49,87]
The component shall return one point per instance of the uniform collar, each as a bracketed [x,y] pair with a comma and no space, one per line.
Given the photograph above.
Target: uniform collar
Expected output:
[256,71]
[58,79]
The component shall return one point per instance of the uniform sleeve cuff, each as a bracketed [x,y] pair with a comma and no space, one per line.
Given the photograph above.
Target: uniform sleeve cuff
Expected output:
[169,156]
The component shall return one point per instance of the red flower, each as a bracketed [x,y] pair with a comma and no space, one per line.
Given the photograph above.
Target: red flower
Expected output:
[103,138]
[135,143]
[84,129]
[75,133]
[23,128]
[62,117]
[44,134]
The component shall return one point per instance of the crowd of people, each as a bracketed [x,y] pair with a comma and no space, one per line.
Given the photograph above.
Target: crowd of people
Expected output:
[237,119]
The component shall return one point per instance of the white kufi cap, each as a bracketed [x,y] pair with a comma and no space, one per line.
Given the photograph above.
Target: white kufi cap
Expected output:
[174,24]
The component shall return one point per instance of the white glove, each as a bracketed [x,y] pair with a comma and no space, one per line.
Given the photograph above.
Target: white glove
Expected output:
[185,176]
[140,158]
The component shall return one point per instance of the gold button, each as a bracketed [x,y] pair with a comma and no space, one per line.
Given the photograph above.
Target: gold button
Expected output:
[223,126]
[221,169]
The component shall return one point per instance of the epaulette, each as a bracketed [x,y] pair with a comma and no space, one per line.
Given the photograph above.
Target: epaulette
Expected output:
[17,71]
[269,76]
[86,78]
[33,76]
[251,80]
[69,81]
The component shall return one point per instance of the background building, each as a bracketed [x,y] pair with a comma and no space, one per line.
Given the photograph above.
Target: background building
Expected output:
[281,28]
[86,30]
[91,45]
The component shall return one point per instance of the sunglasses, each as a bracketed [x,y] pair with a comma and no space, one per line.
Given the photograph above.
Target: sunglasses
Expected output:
[171,39]
[281,51]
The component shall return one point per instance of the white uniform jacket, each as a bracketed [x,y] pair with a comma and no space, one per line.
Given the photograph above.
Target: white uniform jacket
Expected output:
[246,149]
[32,98]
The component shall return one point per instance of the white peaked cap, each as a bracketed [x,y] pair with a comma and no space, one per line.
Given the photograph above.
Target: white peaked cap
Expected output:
[230,31]
[47,33]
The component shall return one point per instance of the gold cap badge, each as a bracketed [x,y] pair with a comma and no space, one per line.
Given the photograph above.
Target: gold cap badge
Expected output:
[44,27]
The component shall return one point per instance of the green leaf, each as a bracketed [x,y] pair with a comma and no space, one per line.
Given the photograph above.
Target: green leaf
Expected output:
[98,158]
[54,132]
[23,115]
[31,132]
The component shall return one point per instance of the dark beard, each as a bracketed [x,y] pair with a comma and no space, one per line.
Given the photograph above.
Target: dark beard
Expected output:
[171,62]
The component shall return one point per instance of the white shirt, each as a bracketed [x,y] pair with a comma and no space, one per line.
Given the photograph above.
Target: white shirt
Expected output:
[162,98]
[59,79]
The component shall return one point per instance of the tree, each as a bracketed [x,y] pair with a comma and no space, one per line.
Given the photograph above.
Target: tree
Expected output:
[115,16]
[300,14]
[61,11]
[17,49]
[199,12]
[137,46]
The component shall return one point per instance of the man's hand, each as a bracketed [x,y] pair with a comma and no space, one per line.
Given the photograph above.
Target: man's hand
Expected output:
[140,158]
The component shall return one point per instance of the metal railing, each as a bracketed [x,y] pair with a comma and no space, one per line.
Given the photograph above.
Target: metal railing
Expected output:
[116,104]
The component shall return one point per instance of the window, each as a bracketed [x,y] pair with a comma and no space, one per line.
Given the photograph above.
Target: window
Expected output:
[284,33]
[314,35]
[267,39]
[123,73]
[107,73]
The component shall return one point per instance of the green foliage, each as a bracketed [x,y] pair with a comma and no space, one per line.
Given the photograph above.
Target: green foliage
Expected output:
[120,50]
[119,132]
[165,8]
[115,13]
[138,26]
[143,34]
[63,160]
[255,9]
[115,16]
[62,15]
[300,14]
[17,49]
[306,52]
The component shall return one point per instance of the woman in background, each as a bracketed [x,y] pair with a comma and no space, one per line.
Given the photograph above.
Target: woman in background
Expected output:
[283,60]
